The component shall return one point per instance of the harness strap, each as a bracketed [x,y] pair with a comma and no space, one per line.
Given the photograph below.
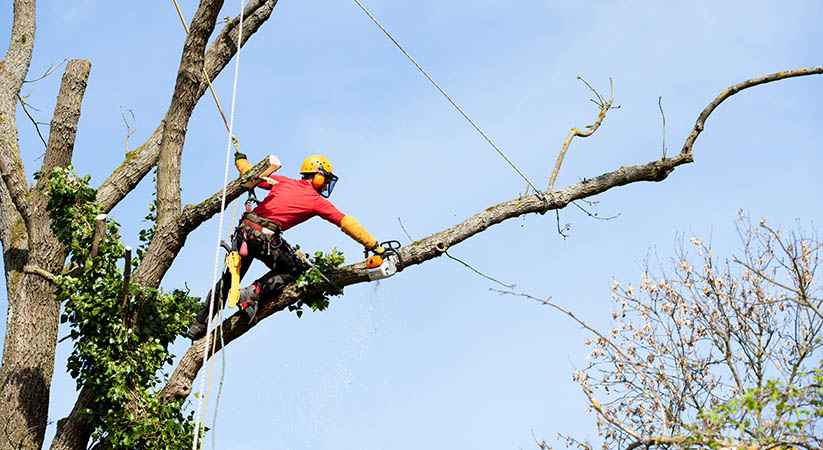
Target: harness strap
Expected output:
[259,222]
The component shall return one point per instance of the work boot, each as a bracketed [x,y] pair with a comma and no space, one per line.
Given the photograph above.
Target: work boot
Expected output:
[196,331]
[247,301]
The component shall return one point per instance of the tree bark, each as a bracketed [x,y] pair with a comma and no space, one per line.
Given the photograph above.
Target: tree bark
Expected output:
[189,77]
[31,328]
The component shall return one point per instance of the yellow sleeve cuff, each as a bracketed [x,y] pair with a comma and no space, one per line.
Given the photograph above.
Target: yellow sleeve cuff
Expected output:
[356,231]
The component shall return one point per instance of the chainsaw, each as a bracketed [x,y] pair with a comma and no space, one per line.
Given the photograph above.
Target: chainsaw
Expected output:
[385,264]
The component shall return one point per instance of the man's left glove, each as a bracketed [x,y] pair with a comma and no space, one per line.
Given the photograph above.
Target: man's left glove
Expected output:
[243,165]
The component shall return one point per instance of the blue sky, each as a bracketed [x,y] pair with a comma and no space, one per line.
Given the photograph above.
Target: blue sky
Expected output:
[431,358]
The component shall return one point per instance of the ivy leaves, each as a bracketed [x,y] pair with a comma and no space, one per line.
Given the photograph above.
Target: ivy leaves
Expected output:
[313,279]
[121,333]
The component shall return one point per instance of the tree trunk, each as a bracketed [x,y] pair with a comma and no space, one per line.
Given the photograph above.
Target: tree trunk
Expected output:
[31,337]
[33,314]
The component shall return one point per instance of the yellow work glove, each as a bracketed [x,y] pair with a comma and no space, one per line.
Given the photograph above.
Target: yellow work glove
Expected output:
[243,165]
[356,231]
[233,266]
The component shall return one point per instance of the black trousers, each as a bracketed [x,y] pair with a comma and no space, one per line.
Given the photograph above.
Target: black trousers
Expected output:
[277,255]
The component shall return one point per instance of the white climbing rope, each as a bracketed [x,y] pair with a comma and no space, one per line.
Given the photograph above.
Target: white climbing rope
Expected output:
[453,103]
[199,418]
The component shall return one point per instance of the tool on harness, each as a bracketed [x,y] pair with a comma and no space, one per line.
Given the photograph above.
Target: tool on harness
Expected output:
[251,201]
[259,228]
[233,266]
[386,263]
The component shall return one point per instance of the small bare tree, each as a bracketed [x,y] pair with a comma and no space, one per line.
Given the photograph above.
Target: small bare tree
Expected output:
[724,354]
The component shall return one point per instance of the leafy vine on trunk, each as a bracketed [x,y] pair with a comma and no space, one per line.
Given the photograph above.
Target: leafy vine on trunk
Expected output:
[117,359]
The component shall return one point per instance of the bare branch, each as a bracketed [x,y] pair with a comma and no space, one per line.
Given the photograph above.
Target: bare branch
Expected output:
[731,90]
[33,120]
[660,105]
[52,68]
[39,271]
[594,215]
[404,230]
[561,230]
[129,129]
[510,286]
[604,107]
[638,370]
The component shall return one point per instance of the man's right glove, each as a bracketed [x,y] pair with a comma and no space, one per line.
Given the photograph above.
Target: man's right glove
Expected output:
[242,163]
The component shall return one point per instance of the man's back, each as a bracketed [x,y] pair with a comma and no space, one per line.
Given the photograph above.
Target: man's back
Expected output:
[291,202]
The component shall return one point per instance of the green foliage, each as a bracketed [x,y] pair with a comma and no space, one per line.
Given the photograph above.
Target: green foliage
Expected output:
[312,279]
[121,339]
[770,413]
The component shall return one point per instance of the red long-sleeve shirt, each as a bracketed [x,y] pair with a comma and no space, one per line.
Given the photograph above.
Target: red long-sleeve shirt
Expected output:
[291,202]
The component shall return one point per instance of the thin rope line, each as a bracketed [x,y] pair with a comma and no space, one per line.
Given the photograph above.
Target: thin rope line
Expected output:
[230,126]
[220,385]
[500,152]
[208,80]
[222,363]
[232,140]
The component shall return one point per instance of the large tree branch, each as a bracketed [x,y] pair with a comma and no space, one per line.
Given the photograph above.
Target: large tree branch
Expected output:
[139,161]
[179,385]
[184,99]
[63,129]
[224,47]
[13,69]
[73,431]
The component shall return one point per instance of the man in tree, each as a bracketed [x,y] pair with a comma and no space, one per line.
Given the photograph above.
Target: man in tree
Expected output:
[259,236]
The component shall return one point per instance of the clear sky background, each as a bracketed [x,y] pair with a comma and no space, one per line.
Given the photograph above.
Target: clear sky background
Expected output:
[431,358]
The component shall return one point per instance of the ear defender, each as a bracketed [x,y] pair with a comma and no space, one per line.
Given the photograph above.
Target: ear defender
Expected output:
[318,180]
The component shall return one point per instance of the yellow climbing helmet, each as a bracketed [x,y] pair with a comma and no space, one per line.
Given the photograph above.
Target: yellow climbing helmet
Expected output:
[311,164]
[318,169]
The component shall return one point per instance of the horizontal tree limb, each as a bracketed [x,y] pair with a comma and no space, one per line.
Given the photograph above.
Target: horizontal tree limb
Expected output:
[180,383]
